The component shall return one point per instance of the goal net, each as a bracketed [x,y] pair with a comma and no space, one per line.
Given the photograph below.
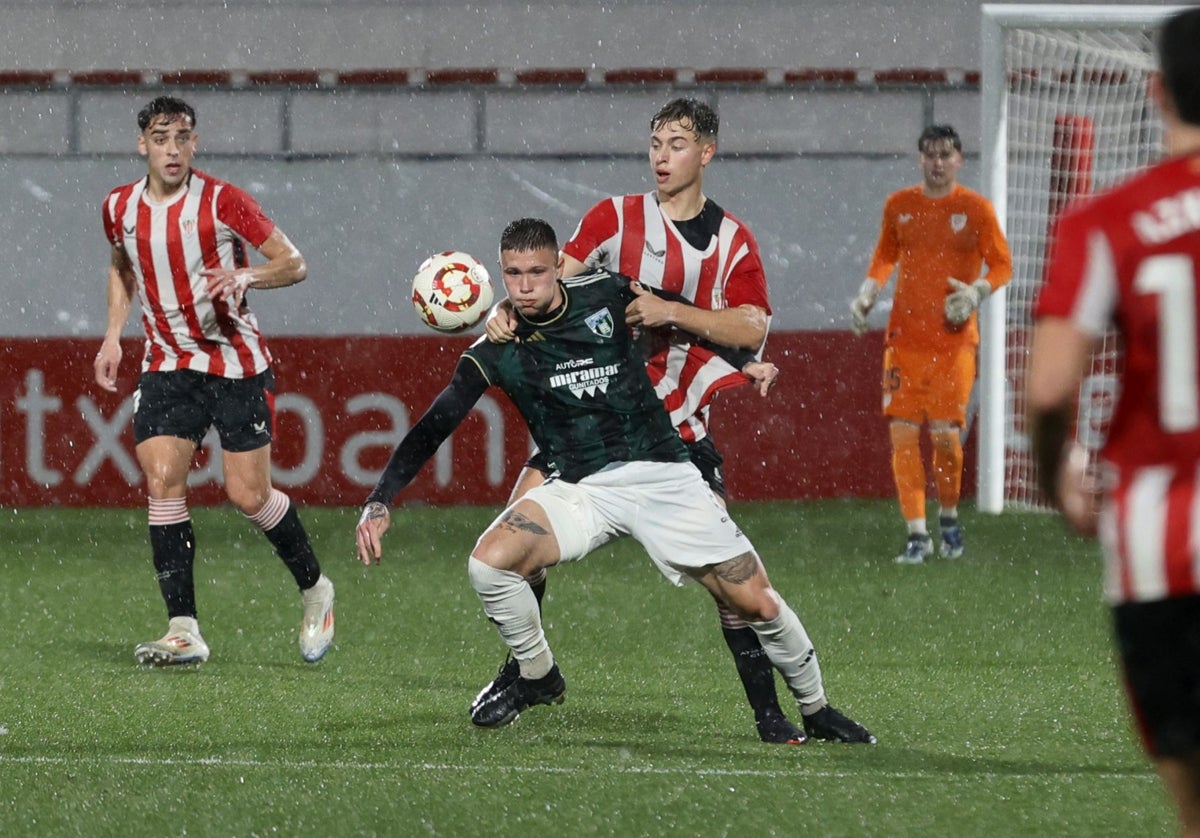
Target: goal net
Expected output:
[1065,112]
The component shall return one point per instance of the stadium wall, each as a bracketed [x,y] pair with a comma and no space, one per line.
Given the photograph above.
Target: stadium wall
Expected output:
[377,132]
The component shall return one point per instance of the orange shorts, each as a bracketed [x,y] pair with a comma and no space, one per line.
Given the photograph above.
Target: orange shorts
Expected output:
[920,386]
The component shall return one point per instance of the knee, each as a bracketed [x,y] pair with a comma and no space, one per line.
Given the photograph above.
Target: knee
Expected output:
[250,501]
[753,605]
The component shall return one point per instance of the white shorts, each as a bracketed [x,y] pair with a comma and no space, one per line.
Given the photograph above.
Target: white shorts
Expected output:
[667,507]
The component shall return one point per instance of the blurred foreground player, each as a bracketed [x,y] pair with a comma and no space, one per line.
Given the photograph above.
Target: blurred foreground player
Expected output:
[1130,259]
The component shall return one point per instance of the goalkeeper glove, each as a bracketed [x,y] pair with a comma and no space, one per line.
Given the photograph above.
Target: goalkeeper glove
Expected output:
[861,305]
[964,299]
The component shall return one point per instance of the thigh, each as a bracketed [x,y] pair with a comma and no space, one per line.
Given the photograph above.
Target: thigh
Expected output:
[952,377]
[243,411]
[904,384]
[521,539]
[171,404]
[166,461]
[678,519]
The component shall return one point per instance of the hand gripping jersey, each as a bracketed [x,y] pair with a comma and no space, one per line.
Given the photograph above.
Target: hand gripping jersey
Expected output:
[933,239]
[1130,258]
[207,224]
[631,236]
[578,380]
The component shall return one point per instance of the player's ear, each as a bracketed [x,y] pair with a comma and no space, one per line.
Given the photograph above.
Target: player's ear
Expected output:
[1158,94]
[708,153]
[558,268]
[143,149]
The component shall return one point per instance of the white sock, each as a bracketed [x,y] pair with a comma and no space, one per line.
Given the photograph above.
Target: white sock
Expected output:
[510,604]
[787,645]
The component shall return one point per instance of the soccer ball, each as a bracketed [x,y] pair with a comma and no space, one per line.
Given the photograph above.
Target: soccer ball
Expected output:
[452,291]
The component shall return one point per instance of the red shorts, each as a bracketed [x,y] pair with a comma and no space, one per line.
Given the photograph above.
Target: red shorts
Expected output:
[920,386]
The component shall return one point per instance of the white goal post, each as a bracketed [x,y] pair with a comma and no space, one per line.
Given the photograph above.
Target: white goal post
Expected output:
[1064,111]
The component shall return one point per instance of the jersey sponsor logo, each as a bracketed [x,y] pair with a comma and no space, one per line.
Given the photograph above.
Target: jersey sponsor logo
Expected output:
[658,255]
[535,337]
[130,230]
[601,323]
[585,381]
[958,222]
[573,363]
[260,428]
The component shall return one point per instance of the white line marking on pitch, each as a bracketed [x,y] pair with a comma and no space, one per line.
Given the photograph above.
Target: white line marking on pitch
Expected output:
[691,771]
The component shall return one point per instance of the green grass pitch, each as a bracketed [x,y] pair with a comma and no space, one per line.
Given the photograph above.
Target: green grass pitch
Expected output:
[989,682]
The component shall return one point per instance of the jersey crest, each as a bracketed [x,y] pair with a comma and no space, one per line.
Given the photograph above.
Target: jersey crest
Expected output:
[601,323]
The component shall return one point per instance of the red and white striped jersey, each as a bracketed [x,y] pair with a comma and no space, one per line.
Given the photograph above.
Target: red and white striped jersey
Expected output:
[1130,258]
[207,224]
[631,235]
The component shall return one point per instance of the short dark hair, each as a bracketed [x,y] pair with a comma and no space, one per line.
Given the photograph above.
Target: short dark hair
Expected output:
[933,133]
[692,114]
[167,106]
[1179,62]
[527,234]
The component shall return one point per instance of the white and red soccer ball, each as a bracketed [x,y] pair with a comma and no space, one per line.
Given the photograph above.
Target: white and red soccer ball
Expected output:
[452,291]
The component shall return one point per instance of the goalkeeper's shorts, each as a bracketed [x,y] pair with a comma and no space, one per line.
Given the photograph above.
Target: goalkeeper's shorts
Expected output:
[921,386]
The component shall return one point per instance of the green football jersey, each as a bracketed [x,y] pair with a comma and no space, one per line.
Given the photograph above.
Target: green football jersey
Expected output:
[580,381]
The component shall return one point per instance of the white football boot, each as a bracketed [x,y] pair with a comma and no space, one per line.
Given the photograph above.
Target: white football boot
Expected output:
[316,629]
[181,644]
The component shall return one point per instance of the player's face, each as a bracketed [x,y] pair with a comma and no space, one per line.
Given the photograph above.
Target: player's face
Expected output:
[168,144]
[940,162]
[678,158]
[531,279]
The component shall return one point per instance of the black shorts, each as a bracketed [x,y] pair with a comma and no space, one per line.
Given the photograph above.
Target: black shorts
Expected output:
[1158,644]
[704,454]
[186,403]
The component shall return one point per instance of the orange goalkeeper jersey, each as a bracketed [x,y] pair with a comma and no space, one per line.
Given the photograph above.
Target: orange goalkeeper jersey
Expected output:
[932,239]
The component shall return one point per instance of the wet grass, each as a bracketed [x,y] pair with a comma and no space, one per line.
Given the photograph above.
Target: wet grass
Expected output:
[989,682]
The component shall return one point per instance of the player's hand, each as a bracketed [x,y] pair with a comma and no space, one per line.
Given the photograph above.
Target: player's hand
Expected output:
[372,524]
[501,323]
[762,375]
[224,284]
[963,299]
[106,363]
[1080,492]
[647,309]
[861,306]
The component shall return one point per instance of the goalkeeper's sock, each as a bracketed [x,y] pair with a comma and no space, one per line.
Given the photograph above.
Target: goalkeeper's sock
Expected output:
[907,469]
[947,465]
[753,666]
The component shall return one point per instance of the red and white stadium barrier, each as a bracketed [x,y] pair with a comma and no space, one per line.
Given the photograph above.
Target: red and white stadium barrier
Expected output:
[343,402]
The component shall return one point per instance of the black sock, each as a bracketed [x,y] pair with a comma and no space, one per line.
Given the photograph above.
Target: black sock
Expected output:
[174,549]
[291,544]
[754,668]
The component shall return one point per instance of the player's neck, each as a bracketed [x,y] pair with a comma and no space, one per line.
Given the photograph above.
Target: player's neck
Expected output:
[159,192]
[1182,140]
[936,192]
[682,206]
